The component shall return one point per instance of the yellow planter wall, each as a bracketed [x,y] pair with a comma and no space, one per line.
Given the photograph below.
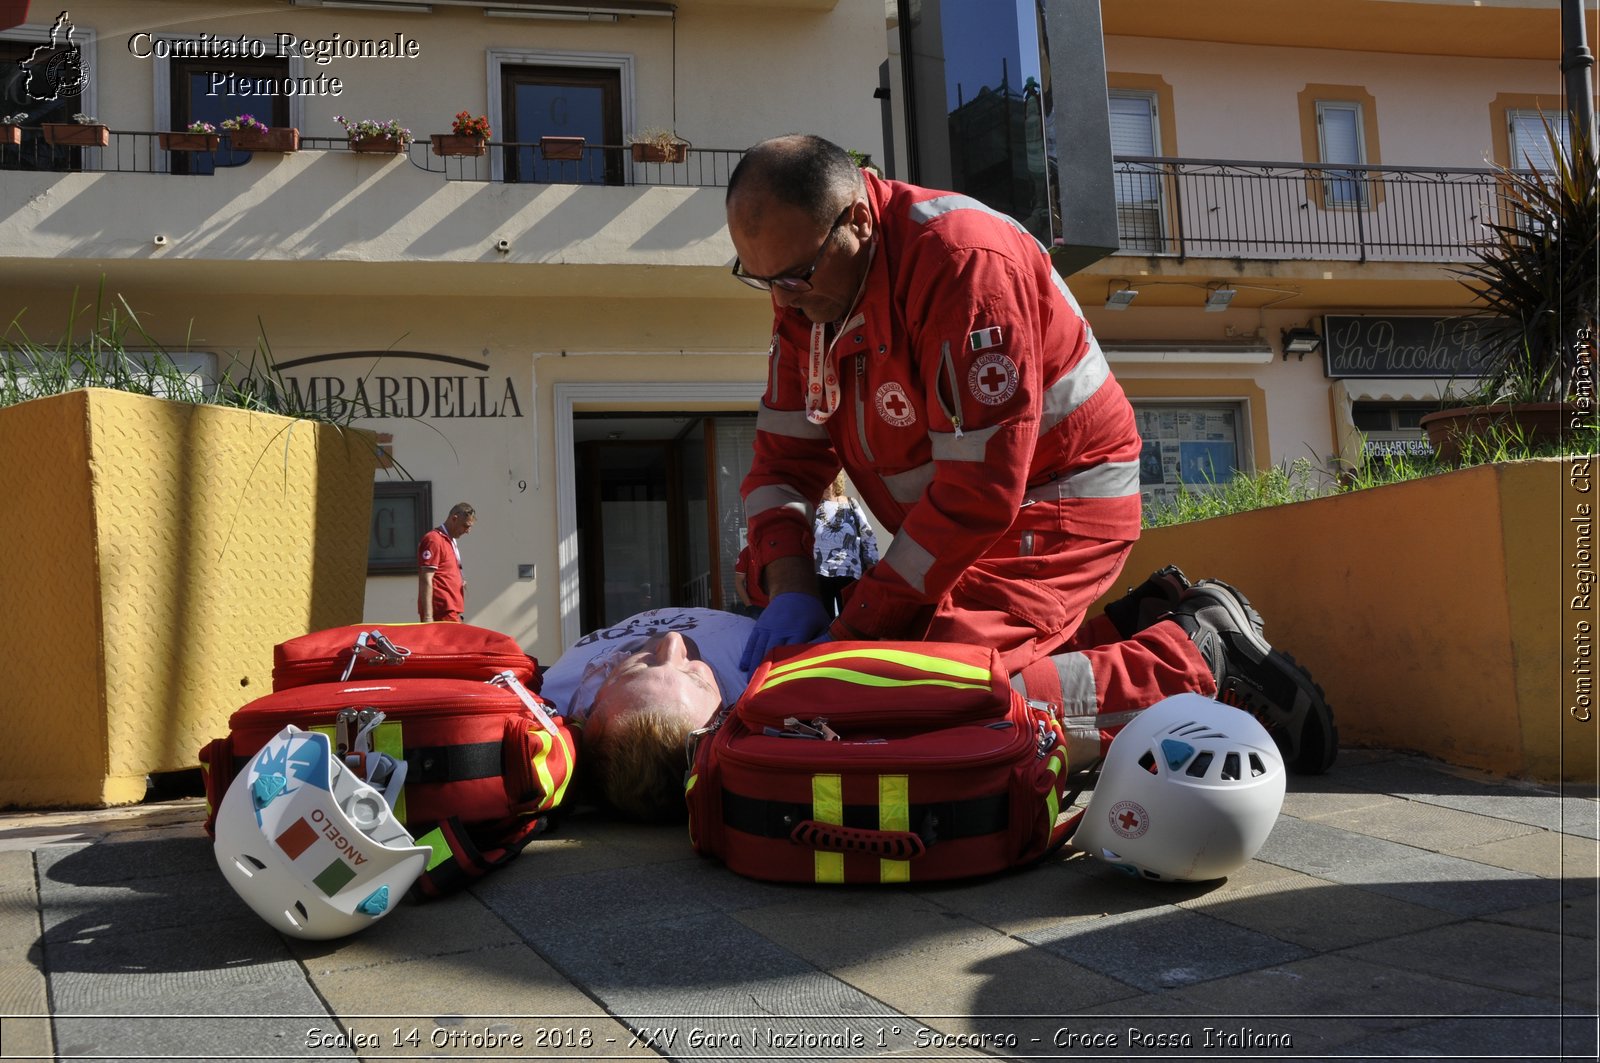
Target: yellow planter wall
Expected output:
[1435,613]
[157,551]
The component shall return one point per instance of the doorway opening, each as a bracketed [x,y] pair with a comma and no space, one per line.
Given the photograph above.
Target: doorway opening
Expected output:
[659,519]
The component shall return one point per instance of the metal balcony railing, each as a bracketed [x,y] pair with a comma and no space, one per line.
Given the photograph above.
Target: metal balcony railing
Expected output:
[511,163]
[1211,208]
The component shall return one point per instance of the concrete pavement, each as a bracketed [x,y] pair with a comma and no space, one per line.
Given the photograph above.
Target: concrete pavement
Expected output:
[1401,909]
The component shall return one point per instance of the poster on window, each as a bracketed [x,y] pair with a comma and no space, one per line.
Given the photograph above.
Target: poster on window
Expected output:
[1185,446]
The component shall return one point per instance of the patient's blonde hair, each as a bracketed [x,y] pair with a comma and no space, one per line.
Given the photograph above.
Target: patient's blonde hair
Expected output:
[638,761]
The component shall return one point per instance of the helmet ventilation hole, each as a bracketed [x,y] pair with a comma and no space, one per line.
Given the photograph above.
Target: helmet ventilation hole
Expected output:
[1198,767]
[1148,762]
[1256,767]
[248,865]
[1230,766]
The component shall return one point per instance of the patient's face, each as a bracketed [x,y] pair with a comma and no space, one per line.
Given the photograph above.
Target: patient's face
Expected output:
[665,673]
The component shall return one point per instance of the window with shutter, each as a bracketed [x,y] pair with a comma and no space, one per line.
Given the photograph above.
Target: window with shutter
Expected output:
[1140,225]
[1340,140]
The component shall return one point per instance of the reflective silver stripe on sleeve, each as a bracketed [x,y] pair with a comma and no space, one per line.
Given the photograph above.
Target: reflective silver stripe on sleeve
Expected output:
[790,423]
[775,496]
[927,210]
[1076,387]
[1114,479]
[970,445]
[908,486]
[910,560]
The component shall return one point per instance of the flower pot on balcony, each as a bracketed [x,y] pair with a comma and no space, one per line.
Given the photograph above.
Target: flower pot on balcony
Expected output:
[189,141]
[187,541]
[10,134]
[377,145]
[561,147]
[457,144]
[649,152]
[76,135]
[1482,427]
[282,139]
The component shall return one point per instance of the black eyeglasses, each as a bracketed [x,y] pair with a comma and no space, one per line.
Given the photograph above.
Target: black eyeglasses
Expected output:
[794,282]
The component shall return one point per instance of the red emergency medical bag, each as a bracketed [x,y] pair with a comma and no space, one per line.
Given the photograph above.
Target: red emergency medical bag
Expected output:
[878,762]
[473,767]
[391,651]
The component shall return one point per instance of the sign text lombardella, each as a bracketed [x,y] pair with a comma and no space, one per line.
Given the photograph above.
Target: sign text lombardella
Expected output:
[408,396]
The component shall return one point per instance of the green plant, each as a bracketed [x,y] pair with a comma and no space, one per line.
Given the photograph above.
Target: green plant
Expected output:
[117,352]
[370,128]
[1295,481]
[85,119]
[14,119]
[1536,275]
[244,121]
[202,127]
[465,125]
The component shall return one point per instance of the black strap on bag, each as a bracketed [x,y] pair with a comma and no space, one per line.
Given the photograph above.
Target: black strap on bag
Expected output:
[462,855]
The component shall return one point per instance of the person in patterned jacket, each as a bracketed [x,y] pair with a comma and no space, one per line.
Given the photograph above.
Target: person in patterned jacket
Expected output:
[925,344]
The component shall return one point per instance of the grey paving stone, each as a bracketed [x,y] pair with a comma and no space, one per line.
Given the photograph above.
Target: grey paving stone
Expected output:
[880,924]
[1450,884]
[1039,898]
[696,966]
[1317,914]
[986,977]
[254,1020]
[1321,850]
[1326,1001]
[492,1001]
[450,925]
[1546,853]
[1511,1028]
[1508,958]
[63,867]
[168,969]
[1165,948]
[1425,825]
[1574,916]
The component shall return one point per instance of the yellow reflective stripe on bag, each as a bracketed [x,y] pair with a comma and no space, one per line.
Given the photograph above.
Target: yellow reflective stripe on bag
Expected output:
[827,806]
[541,768]
[940,671]
[894,814]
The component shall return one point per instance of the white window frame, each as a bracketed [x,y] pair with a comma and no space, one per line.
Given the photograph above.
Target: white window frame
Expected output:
[500,58]
[600,395]
[1329,183]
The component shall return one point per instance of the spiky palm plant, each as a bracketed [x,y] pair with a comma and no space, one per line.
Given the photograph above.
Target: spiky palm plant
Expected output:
[1536,274]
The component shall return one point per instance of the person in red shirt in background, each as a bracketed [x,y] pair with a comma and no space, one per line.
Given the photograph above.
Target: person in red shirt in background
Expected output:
[926,344]
[441,588]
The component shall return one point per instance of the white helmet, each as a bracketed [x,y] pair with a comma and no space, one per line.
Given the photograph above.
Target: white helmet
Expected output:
[314,850]
[1189,791]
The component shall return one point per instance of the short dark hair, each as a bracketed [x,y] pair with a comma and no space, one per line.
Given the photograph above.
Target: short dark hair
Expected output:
[462,510]
[800,170]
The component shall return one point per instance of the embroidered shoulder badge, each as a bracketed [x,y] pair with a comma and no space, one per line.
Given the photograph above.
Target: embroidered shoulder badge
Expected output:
[893,406]
[992,378]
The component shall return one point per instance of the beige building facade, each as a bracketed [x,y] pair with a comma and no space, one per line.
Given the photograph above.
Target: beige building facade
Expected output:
[558,342]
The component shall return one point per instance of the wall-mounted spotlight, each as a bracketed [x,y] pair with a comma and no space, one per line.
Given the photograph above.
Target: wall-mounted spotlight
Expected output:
[1301,341]
[503,246]
[1218,298]
[1119,298]
[160,240]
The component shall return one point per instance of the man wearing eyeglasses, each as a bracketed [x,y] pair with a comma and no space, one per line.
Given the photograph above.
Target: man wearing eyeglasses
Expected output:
[926,344]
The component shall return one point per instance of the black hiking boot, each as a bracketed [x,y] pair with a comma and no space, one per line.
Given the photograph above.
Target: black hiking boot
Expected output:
[1253,676]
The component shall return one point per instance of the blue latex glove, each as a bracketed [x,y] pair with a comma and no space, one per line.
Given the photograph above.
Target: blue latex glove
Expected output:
[793,616]
[824,637]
